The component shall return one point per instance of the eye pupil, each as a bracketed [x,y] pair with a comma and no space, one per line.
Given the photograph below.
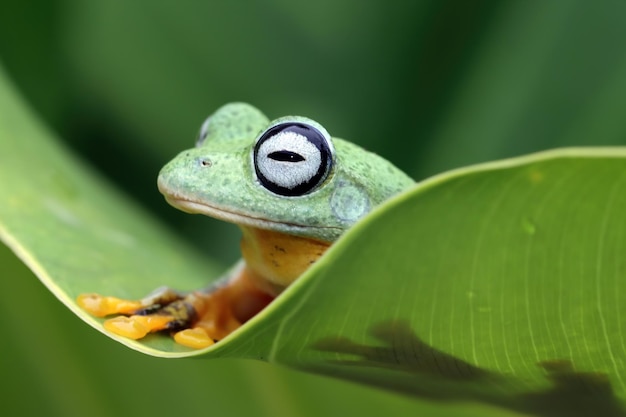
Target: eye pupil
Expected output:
[286,156]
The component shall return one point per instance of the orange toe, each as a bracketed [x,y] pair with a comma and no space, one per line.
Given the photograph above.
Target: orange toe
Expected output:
[127,327]
[101,306]
[136,327]
[196,338]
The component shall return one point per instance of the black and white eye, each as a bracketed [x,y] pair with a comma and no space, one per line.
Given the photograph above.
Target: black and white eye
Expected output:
[293,158]
[204,131]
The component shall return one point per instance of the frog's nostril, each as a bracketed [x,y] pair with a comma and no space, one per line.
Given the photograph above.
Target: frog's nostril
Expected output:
[205,162]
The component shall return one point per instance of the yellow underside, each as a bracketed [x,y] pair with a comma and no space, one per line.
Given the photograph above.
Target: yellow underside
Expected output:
[278,259]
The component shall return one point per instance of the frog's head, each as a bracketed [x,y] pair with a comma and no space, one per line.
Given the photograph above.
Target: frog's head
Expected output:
[287,175]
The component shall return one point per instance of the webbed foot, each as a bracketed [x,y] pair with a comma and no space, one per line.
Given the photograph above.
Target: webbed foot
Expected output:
[179,314]
[101,306]
[197,320]
[162,310]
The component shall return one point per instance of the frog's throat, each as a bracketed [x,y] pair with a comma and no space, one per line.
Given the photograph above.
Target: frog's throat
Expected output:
[241,219]
[274,259]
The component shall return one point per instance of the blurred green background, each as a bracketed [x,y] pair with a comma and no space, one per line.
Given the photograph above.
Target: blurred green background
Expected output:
[431,85]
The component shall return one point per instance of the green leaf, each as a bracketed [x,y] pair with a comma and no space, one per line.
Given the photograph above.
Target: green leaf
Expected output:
[502,283]
[499,283]
[77,233]
[509,273]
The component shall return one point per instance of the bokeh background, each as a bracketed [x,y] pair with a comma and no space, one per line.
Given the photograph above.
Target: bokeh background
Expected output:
[429,84]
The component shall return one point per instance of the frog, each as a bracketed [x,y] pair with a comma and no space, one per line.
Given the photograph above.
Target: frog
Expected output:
[290,187]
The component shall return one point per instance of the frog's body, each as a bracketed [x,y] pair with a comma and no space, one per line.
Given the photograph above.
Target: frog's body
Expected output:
[291,189]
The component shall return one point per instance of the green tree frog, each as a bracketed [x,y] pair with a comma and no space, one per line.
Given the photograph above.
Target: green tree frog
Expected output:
[289,186]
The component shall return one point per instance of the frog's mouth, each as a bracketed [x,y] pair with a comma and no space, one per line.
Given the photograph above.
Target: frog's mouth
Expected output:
[239,219]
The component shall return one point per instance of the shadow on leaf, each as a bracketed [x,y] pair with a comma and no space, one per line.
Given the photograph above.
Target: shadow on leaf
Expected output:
[573,393]
[404,351]
[412,367]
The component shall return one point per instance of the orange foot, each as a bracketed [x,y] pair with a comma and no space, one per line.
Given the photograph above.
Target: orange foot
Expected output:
[198,319]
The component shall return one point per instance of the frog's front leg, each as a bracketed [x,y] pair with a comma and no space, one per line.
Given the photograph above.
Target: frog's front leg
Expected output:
[198,318]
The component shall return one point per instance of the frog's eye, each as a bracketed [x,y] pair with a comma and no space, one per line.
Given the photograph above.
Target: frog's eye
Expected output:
[204,131]
[292,158]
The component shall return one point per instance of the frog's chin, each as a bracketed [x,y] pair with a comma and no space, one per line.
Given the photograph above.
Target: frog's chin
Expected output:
[236,218]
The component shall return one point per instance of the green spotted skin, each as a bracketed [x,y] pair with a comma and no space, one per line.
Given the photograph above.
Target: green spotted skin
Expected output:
[218,178]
